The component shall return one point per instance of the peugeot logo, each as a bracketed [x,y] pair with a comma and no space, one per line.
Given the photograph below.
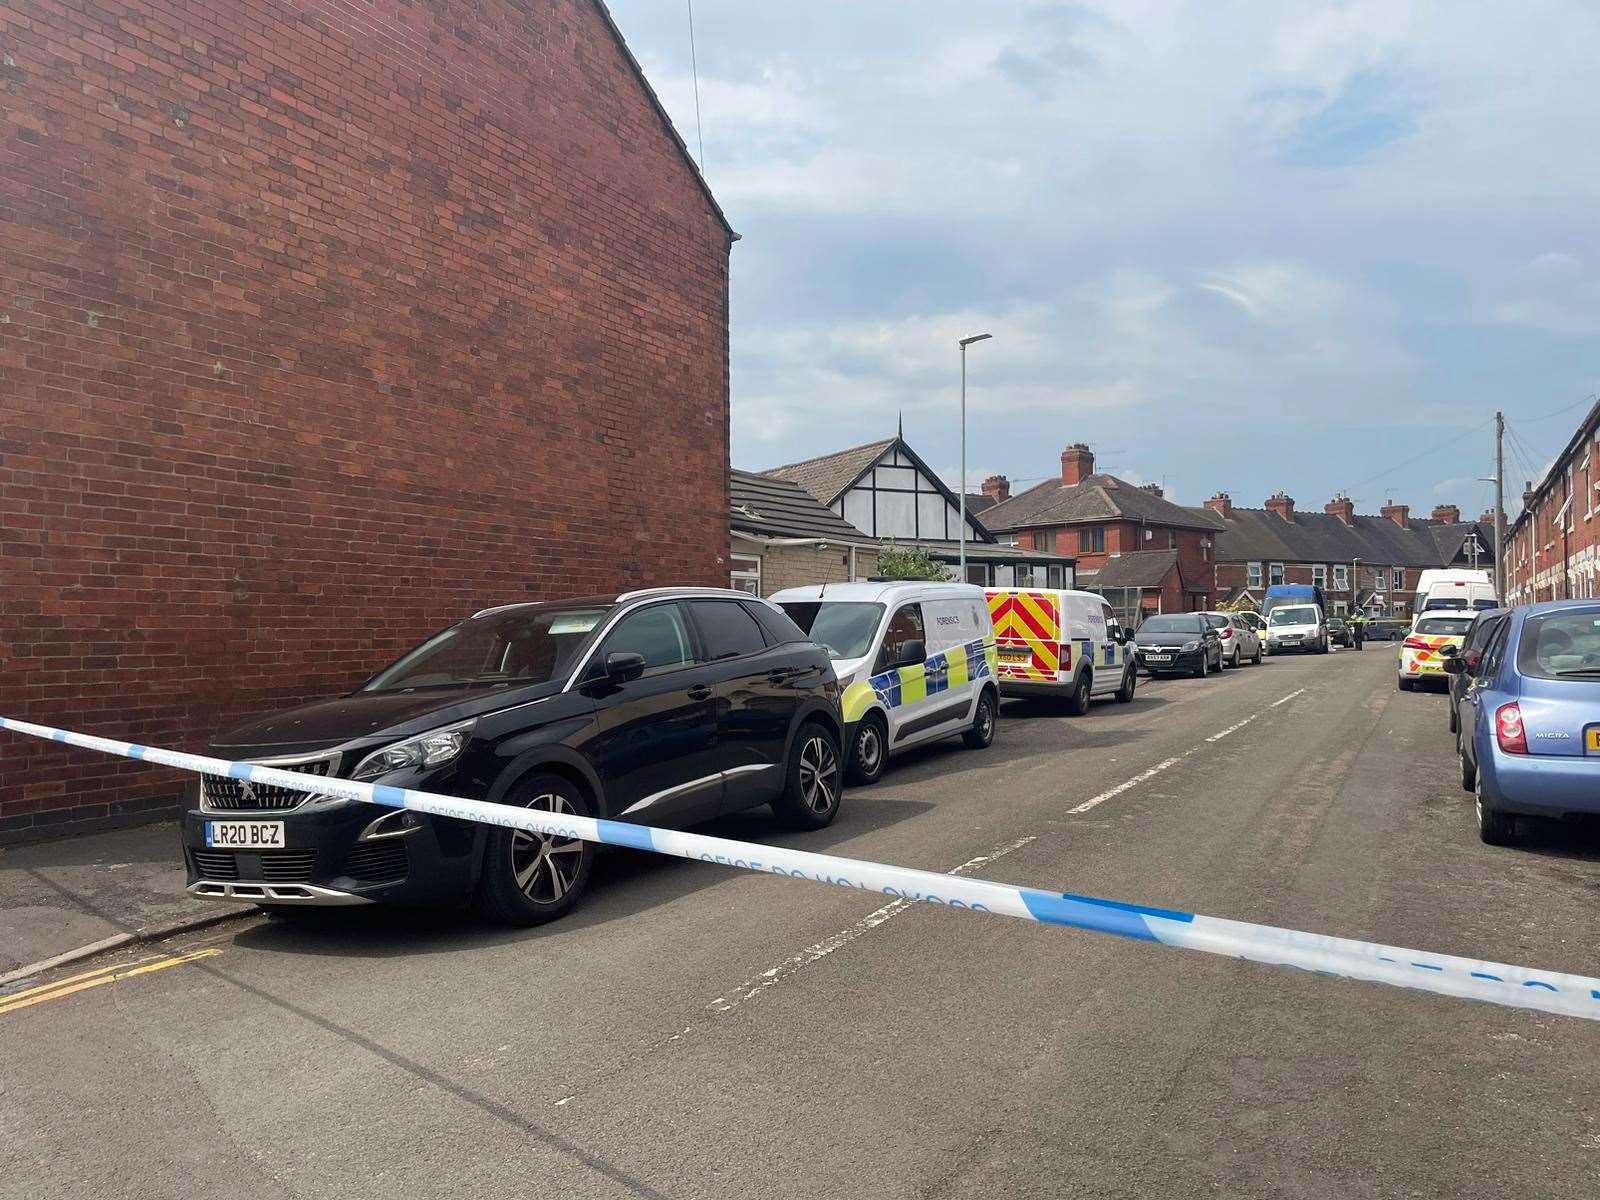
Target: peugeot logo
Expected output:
[247,792]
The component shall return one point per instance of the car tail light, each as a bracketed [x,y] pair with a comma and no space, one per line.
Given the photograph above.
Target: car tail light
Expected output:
[1413,643]
[1227,633]
[1508,729]
[1066,656]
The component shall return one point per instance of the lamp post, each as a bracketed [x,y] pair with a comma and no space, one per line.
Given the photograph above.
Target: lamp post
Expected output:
[962,490]
[1355,595]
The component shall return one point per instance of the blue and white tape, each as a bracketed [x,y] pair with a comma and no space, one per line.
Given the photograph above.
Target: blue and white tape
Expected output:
[1444,974]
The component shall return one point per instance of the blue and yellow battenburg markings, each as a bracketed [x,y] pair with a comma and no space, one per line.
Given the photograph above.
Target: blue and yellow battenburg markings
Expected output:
[952,668]
[1320,954]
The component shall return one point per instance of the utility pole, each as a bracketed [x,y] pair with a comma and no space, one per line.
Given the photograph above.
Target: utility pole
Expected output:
[1500,506]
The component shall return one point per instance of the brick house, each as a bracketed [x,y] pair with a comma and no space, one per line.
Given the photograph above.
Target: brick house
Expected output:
[1553,547]
[322,325]
[782,537]
[1100,519]
[1368,561]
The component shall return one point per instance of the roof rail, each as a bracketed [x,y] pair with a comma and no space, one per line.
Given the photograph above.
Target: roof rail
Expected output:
[504,608]
[685,591]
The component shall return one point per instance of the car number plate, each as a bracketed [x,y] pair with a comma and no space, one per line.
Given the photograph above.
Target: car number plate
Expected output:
[1158,658]
[1291,641]
[245,835]
[1015,656]
[1594,740]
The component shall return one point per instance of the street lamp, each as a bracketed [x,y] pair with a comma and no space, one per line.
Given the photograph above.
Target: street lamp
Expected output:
[962,490]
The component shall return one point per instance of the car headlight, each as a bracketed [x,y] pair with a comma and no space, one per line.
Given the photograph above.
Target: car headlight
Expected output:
[431,749]
[1190,647]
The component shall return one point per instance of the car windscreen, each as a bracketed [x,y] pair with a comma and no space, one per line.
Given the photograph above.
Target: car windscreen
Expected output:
[1561,645]
[1170,624]
[1293,614]
[1445,626]
[517,646]
[844,628]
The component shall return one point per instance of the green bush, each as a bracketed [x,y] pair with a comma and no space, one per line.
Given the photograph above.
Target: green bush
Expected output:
[912,562]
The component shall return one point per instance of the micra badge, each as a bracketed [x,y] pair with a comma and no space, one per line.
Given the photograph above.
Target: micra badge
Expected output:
[1553,737]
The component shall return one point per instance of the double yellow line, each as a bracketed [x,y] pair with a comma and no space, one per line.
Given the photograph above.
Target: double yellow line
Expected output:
[94,979]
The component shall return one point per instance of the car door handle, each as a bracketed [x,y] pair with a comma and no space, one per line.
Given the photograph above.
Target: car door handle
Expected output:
[780,675]
[699,692]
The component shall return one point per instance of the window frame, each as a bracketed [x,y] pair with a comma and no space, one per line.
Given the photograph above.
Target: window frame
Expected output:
[1254,574]
[737,575]
[882,663]
[1319,574]
[596,666]
[1277,574]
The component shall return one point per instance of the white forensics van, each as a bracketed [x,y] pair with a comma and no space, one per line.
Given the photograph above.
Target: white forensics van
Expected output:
[1455,589]
[915,661]
[1061,644]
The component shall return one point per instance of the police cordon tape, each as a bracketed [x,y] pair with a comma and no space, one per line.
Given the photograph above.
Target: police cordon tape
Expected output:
[1444,974]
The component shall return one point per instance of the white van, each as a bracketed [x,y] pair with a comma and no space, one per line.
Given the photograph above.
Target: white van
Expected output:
[1060,643]
[916,663]
[1448,588]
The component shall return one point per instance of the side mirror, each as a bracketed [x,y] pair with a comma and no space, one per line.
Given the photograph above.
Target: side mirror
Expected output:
[1449,650]
[1454,664]
[913,652]
[622,666]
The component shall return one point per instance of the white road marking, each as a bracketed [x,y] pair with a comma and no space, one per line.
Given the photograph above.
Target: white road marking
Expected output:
[1167,764]
[772,976]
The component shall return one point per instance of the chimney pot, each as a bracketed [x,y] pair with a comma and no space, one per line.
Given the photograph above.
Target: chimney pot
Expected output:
[997,488]
[1281,503]
[1447,514]
[1155,489]
[1222,503]
[1343,507]
[1077,463]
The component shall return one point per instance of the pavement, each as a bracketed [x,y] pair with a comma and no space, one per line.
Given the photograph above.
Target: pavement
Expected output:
[692,1031]
[60,899]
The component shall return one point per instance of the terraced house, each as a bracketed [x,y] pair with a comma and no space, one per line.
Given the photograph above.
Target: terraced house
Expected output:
[1142,552]
[1553,547]
[1361,561]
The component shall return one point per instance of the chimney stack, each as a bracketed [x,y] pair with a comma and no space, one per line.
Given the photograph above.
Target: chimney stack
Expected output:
[1077,464]
[1398,513]
[1447,514]
[1343,507]
[1527,495]
[1487,518]
[1282,504]
[997,488]
[1155,489]
[1221,503]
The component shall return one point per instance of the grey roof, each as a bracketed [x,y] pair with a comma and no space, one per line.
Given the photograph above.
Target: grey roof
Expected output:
[978,501]
[830,476]
[777,508]
[1258,535]
[1139,569]
[1097,498]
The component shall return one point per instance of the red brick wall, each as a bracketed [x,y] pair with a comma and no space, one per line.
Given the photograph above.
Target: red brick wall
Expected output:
[322,324]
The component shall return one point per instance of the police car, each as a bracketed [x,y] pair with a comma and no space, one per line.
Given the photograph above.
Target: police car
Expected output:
[916,663]
[1423,652]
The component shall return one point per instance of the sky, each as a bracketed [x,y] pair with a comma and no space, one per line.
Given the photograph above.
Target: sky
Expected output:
[1233,246]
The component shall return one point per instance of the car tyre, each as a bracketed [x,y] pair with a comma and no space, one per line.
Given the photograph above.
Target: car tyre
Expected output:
[1259,655]
[1452,720]
[1233,660]
[869,750]
[812,780]
[1078,701]
[981,735]
[1130,681]
[531,878]
[1405,684]
[1494,828]
[1469,773]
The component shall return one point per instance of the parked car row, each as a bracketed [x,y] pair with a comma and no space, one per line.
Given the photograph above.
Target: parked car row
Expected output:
[1523,688]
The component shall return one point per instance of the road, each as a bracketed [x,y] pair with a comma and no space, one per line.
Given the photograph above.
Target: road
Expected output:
[696,1032]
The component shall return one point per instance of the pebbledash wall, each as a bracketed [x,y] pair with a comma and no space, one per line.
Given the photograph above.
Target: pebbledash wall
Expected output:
[322,325]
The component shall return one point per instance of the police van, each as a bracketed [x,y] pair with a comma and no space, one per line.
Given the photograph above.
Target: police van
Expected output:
[1061,643]
[915,661]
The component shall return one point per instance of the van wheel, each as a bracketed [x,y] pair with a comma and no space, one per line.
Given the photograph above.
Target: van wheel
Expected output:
[869,750]
[531,878]
[1078,702]
[1130,680]
[981,735]
[811,787]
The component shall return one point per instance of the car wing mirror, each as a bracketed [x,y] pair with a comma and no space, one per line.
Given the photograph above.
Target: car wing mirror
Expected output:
[623,666]
[1454,664]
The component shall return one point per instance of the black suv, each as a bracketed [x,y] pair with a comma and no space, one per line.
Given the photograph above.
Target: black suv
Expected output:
[664,707]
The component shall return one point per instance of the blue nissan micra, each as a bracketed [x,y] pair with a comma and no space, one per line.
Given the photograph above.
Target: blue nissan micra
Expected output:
[1530,728]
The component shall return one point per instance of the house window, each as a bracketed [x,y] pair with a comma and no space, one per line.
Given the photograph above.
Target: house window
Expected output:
[744,573]
[1341,607]
[1252,575]
[1042,540]
[1092,540]
[1172,539]
[1276,574]
[1399,579]
[1341,578]
[1319,574]
[1378,577]
[1058,576]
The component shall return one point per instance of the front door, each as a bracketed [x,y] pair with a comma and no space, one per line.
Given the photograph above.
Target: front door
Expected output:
[655,748]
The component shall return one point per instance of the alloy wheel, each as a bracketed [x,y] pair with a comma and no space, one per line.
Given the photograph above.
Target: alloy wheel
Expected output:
[819,774]
[543,865]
